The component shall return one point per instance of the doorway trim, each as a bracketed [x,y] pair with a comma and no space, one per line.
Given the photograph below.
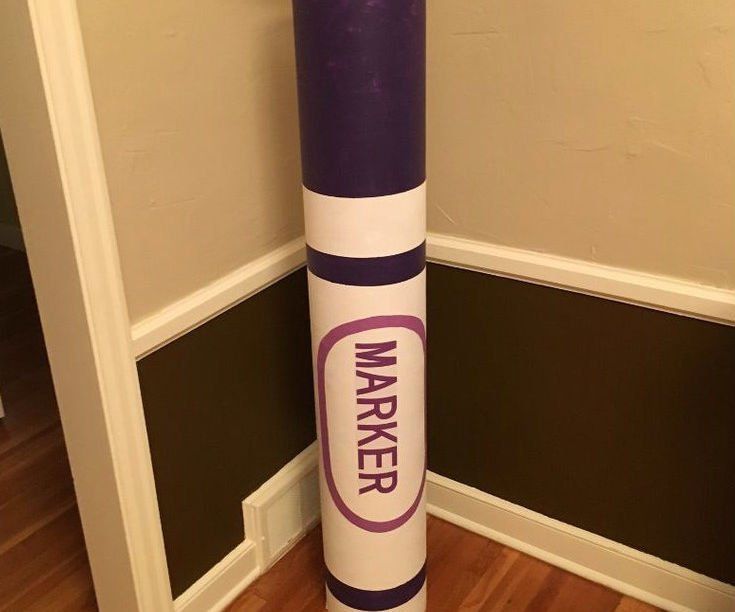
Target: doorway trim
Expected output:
[72,250]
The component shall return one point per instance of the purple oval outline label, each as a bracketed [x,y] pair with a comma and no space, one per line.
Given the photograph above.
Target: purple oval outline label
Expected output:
[340,332]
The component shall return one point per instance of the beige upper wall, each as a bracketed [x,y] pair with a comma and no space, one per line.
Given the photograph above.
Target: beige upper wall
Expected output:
[597,130]
[196,106]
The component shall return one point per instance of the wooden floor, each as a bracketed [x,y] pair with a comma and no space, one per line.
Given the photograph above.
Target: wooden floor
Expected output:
[465,572]
[43,561]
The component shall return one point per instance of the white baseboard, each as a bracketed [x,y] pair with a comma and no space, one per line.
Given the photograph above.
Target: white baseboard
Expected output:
[586,554]
[222,583]
[11,236]
[653,291]
[276,516]
[198,307]
[284,509]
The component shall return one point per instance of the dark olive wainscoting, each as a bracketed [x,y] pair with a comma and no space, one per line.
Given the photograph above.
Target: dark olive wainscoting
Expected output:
[614,418]
[226,406]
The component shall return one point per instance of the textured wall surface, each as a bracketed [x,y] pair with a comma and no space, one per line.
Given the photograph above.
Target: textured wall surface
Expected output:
[603,131]
[196,105]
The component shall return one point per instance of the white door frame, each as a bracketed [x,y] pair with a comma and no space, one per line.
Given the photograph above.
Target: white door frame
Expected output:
[55,159]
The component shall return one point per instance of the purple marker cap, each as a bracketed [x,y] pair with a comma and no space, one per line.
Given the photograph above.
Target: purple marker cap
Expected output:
[361,68]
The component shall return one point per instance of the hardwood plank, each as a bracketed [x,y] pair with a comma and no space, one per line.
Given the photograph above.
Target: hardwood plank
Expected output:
[40,460]
[548,591]
[465,572]
[456,561]
[30,408]
[249,601]
[579,595]
[43,560]
[628,604]
[67,588]
[26,514]
[521,585]
[292,583]
[32,561]
[493,579]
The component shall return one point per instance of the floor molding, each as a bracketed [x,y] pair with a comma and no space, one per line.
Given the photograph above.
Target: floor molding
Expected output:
[586,554]
[223,583]
[284,509]
[11,237]
[620,284]
[276,517]
[198,307]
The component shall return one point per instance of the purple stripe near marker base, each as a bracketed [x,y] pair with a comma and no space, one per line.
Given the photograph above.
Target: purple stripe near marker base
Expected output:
[361,599]
[361,68]
[367,271]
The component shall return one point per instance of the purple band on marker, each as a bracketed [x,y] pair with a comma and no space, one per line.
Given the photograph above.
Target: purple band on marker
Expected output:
[361,78]
[367,271]
[361,599]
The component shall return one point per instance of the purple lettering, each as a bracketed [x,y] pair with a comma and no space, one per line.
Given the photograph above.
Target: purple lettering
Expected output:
[372,354]
[375,382]
[377,480]
[378,453]
[376,442]
[376,403]
[379,431]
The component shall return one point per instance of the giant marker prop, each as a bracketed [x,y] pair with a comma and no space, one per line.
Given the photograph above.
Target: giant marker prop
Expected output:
[361,85]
